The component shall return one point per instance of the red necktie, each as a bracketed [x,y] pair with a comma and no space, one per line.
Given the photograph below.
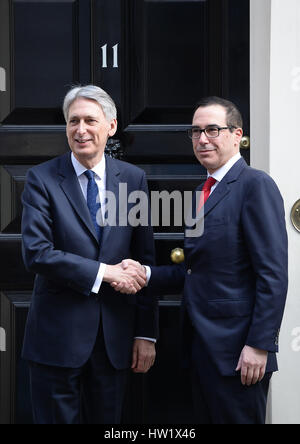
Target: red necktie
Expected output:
[206,191]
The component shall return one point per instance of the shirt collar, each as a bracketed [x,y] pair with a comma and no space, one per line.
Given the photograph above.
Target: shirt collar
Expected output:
[221,172]
[99,169]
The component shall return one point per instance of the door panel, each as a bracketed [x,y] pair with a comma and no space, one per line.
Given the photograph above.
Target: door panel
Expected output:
[15,406]
[156,58]
[49,50]
[12,179]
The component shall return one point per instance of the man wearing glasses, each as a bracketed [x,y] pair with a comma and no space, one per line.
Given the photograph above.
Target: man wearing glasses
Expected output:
[234,278]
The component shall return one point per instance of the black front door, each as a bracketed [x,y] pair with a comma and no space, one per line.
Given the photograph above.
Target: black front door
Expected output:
[155,58]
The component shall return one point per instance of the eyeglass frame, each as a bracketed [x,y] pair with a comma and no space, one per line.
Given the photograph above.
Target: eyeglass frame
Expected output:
[205,129]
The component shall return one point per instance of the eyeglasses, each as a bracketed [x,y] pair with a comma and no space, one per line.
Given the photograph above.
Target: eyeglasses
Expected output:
[211,132]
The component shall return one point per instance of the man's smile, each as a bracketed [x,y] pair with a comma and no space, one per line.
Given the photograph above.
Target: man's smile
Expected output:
[205,150]
[82,141]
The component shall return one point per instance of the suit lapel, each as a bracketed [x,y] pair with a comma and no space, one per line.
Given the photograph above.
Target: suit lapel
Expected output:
[219,193]
[72,190]
[223,187]
[222,190]
[112,185]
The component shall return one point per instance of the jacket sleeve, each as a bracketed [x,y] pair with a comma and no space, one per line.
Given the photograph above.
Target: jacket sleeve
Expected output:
[167,279]
[265,234]
[39,253]
[143,251]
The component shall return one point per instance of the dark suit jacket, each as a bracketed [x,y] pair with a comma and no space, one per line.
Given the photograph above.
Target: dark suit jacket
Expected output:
[235,274]
[60,246]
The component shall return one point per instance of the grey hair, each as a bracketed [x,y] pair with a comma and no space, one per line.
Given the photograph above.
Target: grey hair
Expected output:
[91,92]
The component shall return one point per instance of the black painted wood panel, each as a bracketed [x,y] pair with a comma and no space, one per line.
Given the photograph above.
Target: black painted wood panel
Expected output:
[15,407]
[5,61]
[12,180]
[49,50]
[13,275]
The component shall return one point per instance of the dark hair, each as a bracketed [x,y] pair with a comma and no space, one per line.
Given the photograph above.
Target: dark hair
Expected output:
[234,117]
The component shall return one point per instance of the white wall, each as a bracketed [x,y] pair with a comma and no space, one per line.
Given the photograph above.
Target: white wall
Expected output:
[275,148]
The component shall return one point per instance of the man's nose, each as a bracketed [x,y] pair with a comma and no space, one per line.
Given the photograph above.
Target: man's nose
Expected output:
[81,127]
[203,138]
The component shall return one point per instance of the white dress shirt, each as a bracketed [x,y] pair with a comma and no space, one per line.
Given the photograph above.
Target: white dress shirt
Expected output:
[100,179]
[222,171]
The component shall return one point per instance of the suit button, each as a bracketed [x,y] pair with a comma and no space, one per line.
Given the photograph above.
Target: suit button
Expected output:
[189,271]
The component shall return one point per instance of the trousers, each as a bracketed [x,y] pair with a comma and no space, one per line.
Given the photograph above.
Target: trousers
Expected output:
[222,399]
[91,394]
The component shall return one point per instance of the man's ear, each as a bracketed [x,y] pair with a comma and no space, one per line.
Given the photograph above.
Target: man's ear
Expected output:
[113,127]
[238,135]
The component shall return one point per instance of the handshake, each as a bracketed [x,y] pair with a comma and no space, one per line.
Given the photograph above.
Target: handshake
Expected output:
[127,277]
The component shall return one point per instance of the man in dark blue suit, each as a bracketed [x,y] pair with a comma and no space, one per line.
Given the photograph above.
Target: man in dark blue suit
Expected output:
[81,336]
[234,278]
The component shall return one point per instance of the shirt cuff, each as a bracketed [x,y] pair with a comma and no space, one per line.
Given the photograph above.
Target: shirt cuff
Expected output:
[148,273]
[99,278]
[146,339]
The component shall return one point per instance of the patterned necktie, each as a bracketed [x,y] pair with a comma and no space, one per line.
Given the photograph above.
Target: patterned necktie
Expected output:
[206,191]
[93,202]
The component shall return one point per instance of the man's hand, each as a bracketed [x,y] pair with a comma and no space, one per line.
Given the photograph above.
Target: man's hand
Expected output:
[143,355]
[252,364]
[129,280]
[133,267]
